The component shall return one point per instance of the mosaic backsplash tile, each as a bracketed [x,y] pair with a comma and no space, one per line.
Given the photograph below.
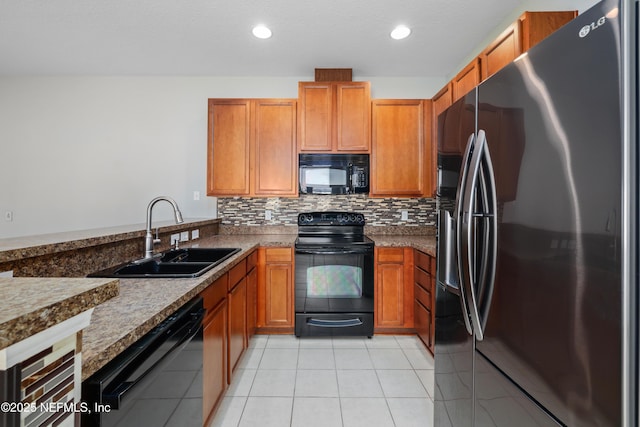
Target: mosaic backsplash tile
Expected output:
[247,211]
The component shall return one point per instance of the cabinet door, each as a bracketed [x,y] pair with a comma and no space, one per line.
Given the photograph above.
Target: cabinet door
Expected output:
[353,116]
[228,147]
[315,121]
[275,147]
[237,324]
[394,288]
[389,293]
[466,79]
[278,290]
[502,51]
[399,152]
[214,369]
[423,321]
[275,288]
[252,290]
[442,100]
[536,26]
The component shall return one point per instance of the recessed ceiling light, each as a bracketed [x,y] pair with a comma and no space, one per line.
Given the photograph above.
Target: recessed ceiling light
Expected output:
[400,32]
[261,32]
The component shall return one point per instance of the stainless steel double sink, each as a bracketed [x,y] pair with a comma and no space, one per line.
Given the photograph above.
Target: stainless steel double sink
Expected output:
[175,263]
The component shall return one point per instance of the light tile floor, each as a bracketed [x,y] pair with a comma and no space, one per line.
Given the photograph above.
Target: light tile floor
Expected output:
[330,382]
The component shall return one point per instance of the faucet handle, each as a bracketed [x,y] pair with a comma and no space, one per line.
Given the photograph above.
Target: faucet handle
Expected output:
[157,239]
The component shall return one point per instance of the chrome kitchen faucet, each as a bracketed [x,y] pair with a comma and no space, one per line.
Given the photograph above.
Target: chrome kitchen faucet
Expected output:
[149,241]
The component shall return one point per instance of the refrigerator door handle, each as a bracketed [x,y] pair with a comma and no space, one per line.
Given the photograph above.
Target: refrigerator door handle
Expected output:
[489,212]
[479,247]
[467,238]
[460,197]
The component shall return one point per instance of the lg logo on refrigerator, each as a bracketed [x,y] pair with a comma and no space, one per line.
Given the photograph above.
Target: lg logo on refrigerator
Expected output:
[584,31]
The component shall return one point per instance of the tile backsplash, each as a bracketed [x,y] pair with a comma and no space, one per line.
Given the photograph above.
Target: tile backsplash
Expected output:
[247,211]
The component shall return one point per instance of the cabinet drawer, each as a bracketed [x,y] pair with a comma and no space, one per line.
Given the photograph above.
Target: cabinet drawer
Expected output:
[278,254]
[423,279]
[423,325]
[215,293]
[423,261]
[252,260]
[391,255]
[237,273]
[423,296]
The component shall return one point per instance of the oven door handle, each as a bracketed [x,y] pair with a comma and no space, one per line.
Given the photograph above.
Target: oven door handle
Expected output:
[333,251]
[329,323]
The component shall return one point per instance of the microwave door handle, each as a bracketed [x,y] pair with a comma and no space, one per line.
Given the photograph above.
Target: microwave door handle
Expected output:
[350,188]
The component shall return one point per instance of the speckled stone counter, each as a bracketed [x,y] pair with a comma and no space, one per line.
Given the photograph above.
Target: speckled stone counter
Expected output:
[31,305]
[46,244]
[144,303]
[425,244]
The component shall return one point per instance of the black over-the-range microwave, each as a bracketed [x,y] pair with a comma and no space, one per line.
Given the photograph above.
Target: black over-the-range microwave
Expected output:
[334,173]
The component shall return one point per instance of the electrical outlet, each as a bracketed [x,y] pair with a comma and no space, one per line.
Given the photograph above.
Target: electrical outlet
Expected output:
[184,236]
[195,234]
[267,215]
[404,215]
[196,195]
[8,216]
[6,273]
[175,238]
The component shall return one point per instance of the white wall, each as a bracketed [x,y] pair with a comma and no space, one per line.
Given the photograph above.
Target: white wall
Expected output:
[90,152]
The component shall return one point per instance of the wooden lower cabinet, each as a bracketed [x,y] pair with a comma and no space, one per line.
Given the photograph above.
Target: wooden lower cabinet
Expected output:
[237,301]
[252,294]
[393,289]
[424,305]
[214,347]
[275,289]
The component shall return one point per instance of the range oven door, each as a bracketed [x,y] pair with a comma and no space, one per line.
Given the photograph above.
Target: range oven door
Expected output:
[334,290]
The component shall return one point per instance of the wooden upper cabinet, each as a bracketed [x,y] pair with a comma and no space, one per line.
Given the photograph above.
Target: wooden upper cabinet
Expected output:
[252,147]
[275,147]
[442,100]
[334,116]
[401,152]
[501,51]
[536,26]
[229,135]
[466,80]
[530,29]
[315,116]
[353,116]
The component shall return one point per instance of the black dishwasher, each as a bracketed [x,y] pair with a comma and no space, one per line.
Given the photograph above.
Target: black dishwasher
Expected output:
[155,382]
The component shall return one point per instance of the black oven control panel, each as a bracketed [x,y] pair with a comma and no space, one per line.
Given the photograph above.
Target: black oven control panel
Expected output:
[331,218]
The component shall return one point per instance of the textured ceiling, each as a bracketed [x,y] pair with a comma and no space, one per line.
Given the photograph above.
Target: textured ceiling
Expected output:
[213,37]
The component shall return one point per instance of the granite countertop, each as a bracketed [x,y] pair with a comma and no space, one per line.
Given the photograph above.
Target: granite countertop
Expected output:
[144,303]
[31,246]
[26,309]
[425,244]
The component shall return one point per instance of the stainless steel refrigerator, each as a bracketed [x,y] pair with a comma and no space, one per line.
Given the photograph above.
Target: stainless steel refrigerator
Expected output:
[536,302]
